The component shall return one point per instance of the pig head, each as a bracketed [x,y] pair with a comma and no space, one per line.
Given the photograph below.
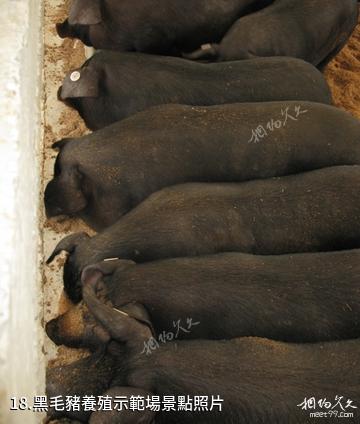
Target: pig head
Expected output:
[64,194]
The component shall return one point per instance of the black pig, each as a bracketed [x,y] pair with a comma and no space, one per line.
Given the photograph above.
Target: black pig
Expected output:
[260,381]
[312,30]
[314,211]
[229,295]
[94,376]
[153,26]
[111,86]
[124,163]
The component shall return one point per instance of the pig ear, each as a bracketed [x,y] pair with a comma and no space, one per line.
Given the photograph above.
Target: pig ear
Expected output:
[85,12]
[61,143]
[120,324]
[137,311]
[105,267]
[83,82]
[68,244]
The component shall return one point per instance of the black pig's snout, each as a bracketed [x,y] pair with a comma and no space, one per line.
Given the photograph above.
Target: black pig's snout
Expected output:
[52,211]
[72,283]
[52,330]
[63,29]
[52,208]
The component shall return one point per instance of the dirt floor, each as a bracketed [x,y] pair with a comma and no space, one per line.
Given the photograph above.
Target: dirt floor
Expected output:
[60,121]
[343,75]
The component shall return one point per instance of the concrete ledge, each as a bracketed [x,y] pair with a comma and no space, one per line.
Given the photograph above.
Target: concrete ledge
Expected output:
[22,367]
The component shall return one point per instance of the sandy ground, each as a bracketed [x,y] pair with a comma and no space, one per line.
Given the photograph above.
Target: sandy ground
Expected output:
[343,74]
[59,121]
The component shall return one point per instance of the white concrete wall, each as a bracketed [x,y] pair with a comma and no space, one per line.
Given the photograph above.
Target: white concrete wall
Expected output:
[21,360]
